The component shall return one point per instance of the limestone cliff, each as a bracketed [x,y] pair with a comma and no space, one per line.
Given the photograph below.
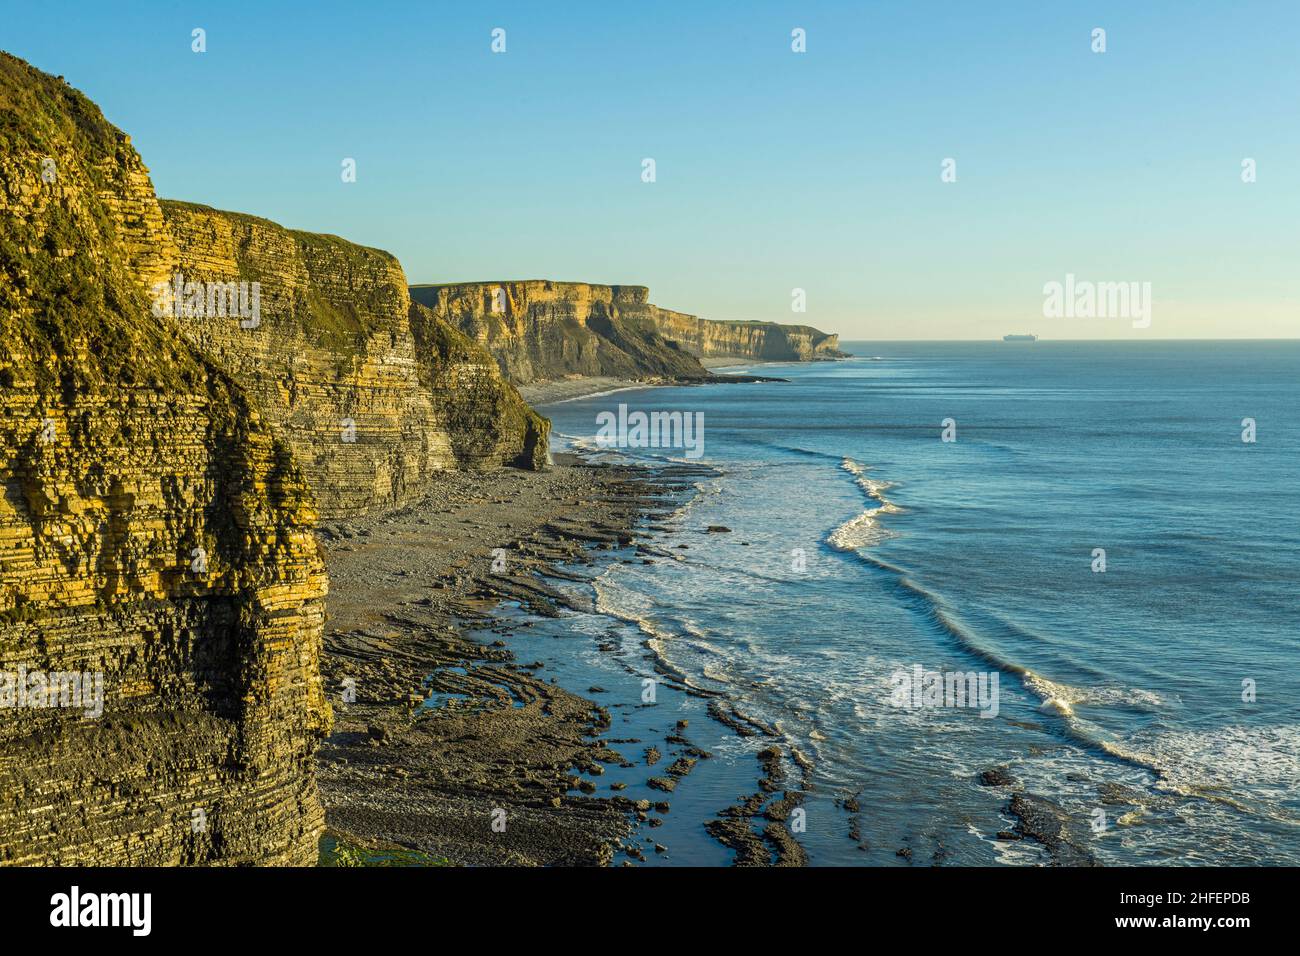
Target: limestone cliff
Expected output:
[540,330]
[373,394]
[768,341]
[153,531]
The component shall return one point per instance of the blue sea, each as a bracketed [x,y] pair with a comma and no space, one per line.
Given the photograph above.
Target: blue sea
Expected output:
[1096,536]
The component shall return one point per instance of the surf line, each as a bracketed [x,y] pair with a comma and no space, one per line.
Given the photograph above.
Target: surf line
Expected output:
[865,530]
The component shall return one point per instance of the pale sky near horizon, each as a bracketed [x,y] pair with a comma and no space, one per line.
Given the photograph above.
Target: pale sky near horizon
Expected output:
[775,170]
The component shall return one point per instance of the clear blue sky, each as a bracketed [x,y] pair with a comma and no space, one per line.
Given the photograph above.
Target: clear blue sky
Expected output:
[775,170]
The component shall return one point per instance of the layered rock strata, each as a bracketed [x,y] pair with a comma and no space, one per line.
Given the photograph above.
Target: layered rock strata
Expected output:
[373,393]
[766,341]
[155,537]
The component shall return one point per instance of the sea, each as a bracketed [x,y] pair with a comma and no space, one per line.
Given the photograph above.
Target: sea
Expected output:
[1097,541]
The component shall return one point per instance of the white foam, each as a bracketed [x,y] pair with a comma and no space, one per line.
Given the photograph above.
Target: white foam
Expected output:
[1263,762]
[865,530]
[1063,698]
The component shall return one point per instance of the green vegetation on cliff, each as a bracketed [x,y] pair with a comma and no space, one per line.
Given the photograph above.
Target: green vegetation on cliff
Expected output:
[490,412]
[68,307]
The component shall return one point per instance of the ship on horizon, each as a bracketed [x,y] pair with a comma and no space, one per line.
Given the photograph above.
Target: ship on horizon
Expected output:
[1024,337]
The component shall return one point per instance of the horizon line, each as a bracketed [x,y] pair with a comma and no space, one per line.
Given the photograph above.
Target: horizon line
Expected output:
[1130,341]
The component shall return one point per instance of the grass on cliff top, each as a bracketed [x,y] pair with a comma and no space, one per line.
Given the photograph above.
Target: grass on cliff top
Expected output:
[71,311]
[343,245]
[46,110]
[505,282]
[766,324]
[339,325]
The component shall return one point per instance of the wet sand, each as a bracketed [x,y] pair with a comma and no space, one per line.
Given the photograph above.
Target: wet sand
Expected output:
[567,389]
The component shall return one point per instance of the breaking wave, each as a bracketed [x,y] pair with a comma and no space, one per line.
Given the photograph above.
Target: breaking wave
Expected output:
[865,530]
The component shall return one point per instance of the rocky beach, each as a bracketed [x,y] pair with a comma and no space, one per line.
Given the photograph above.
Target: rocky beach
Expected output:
[447,748]
[406,590]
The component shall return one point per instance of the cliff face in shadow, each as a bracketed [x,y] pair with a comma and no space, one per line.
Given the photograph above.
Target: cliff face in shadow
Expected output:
[155,537]
[373,396]
[540,330]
